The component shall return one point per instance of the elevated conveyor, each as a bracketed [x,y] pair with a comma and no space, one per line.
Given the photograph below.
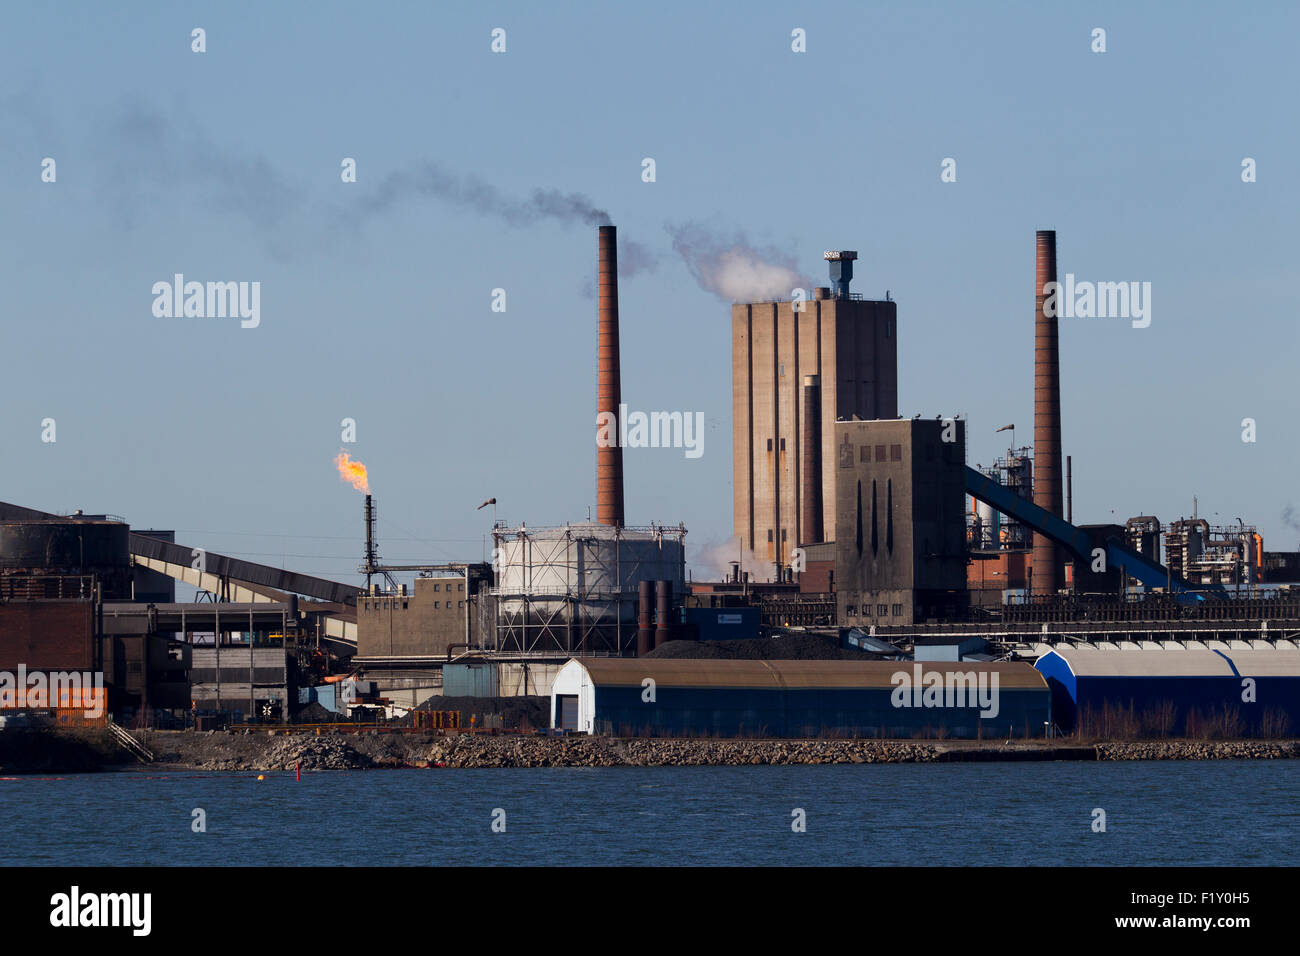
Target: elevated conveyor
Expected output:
[1078,542]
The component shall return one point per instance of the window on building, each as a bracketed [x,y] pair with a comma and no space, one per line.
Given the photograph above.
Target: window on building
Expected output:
[769,444]
[461,586]
[895,452]
[437,604]
[898,610]
[769,536]
[460,604]
[437,587]
[880,453]
[783,444]
[882,610]
[851,610]
[864,453]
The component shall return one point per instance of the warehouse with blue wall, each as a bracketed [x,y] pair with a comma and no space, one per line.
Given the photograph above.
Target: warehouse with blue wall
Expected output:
[727,698]
[1180,690]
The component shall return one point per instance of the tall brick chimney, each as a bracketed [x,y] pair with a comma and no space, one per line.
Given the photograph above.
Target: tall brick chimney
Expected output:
[609,460]
[1047,560]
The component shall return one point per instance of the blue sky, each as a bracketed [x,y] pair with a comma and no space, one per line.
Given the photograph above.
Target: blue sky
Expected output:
[225,166]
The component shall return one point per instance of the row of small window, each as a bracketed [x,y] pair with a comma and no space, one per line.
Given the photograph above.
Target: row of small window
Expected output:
[459,587]
[377,605]
[882,610]
[895,453]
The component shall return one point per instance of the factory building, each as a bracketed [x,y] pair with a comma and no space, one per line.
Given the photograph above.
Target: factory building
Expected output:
[250,677]
[900,530]
[405,637]
[60,578]
[438,614]
[886,699]
[1218,688]
[1000,547]
[796,369]
[1209,554]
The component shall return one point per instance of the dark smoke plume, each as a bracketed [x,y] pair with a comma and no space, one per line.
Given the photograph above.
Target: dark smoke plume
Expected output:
[470,192]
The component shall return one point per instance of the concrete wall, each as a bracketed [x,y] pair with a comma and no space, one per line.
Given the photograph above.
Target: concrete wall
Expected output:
[852,346]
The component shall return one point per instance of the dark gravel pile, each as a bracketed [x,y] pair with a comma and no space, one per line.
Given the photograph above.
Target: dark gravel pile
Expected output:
[781,647]
[517,713]
[314,713]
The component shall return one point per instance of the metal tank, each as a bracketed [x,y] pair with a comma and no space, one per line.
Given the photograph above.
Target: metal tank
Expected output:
[43,554]
[576,588]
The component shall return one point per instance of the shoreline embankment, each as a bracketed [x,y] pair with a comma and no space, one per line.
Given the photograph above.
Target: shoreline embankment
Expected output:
[26,752]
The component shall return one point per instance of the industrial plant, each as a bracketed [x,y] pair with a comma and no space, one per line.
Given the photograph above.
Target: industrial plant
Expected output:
[909,575]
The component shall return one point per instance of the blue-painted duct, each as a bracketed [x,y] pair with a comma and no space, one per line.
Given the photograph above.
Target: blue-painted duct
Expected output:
[1119,556]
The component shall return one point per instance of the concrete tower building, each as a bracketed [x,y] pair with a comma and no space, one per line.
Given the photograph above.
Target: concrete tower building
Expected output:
[900,521]
[837,350]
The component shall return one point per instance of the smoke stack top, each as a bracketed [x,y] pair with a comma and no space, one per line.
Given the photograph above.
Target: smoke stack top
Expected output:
[841,266]
[609,391]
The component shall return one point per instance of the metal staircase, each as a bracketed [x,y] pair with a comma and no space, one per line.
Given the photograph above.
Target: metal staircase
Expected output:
[126,740]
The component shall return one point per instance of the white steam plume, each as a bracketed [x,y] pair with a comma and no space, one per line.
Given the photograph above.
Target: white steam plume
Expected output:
[734,270]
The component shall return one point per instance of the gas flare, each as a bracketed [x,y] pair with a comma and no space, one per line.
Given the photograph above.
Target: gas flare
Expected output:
[352,471]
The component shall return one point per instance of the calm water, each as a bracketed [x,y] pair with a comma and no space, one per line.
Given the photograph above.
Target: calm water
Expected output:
[1221,812]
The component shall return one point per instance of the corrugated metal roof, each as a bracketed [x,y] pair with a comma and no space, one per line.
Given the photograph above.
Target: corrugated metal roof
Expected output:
[1188,662]
[630,672]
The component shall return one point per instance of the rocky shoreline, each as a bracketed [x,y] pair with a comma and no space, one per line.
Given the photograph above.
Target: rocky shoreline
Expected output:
[353,751]
[220,751]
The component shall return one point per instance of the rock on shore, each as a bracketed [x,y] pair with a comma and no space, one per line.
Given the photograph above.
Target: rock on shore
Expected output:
[1199,750]
[247,752]
[256,752]
[465,751]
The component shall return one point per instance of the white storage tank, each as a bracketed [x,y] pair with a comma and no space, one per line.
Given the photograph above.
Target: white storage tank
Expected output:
[574,588]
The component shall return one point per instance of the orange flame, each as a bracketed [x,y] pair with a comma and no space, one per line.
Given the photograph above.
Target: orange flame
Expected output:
[352,471]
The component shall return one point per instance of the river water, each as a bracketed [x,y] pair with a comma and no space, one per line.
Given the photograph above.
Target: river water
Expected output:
[1001,814]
